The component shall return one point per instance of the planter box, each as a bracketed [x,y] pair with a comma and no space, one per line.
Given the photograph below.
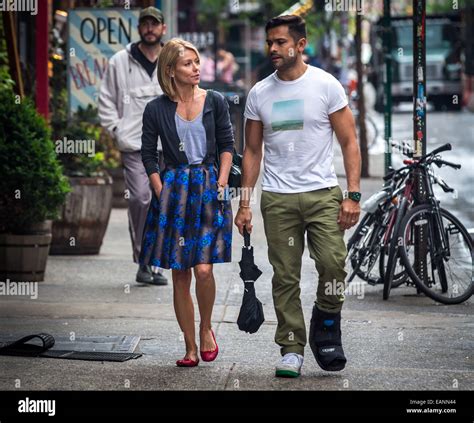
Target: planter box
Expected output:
[84,217]
[23,257]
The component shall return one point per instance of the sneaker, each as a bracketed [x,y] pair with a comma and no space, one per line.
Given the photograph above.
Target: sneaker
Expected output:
[159,279]
[290,365]
[144,274]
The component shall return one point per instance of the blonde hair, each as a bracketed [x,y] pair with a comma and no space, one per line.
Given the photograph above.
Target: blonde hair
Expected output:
[167,62]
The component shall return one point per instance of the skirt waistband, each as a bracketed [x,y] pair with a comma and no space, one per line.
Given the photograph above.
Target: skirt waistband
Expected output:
[185,165]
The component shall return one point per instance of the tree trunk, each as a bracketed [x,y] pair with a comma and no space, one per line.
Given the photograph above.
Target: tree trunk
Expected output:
[9,28]
[361,100]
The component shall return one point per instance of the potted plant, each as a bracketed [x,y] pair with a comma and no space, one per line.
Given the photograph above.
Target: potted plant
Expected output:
[115,170]
[84,217]
[32,188]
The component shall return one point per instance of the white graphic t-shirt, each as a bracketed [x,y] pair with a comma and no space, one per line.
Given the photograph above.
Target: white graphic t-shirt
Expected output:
[297,133]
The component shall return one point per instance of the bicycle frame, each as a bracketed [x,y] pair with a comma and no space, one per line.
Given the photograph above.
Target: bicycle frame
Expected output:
[431,199]
[406,196]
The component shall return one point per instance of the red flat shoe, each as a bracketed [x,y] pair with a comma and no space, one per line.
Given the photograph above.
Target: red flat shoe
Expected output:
[187,362]
[210,355]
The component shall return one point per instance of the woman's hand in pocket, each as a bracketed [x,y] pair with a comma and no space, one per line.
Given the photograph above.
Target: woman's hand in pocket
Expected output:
[156,184]
[158,191]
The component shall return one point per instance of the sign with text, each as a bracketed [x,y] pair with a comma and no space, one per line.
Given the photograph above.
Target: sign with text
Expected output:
[95,35]
[201,40]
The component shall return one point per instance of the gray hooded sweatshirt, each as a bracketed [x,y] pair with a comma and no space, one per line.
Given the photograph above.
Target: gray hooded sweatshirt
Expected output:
[124,92]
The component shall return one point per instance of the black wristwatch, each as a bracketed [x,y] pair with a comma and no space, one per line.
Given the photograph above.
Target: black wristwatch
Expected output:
[353,195]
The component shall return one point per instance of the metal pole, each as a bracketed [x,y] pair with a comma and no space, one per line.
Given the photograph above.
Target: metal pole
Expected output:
[387,48]
[419,123]
[41,47]
[170,12]
[419,77]
[364,151]
[248,36]
[344,32]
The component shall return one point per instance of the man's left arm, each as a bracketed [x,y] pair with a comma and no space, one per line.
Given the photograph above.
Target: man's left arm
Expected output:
[343,124]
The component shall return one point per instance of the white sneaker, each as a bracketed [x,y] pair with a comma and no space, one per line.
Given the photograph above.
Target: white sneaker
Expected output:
[290,365]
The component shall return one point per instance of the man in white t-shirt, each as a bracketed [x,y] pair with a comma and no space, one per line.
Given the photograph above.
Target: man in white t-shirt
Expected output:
[293,114]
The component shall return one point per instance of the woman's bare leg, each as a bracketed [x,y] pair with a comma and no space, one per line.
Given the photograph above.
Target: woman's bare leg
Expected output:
[184,309]
[206,295]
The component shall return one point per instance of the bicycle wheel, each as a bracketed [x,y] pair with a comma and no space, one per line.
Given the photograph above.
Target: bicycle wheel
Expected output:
[372,131]
[449,274]
[394,265]
[400,275]
[355,241]
[367,220]
[362,247]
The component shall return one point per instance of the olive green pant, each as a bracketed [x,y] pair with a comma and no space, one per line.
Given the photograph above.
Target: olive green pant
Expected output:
[287,217]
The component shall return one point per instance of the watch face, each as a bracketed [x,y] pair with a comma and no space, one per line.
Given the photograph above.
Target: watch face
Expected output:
[355,196]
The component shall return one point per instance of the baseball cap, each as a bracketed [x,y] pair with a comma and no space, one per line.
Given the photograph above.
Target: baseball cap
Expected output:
[151,12]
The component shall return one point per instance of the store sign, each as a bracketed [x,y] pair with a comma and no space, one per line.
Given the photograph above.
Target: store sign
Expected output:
[95,35]
[200,40]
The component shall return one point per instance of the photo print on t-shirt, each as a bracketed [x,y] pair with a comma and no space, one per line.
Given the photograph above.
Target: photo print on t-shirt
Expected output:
[288,115]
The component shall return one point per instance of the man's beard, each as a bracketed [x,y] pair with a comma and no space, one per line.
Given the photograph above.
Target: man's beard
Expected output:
[150,43]
[287,63]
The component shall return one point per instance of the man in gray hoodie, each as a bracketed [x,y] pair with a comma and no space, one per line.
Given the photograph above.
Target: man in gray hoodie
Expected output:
[128,85]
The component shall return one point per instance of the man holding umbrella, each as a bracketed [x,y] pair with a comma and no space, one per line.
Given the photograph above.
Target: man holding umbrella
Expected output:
[293,113]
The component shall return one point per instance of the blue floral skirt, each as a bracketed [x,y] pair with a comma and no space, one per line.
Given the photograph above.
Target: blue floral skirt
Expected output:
[188,224]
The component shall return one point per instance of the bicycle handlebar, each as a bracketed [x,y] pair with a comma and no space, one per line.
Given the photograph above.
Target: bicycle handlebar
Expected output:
[445,187]
[445,147]
[395,174]
[389,175]
[440,162]
[406,150]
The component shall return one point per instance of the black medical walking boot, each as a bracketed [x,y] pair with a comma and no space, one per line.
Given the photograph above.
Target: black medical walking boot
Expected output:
[325,340]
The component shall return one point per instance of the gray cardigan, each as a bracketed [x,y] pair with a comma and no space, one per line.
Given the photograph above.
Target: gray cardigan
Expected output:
[159,120]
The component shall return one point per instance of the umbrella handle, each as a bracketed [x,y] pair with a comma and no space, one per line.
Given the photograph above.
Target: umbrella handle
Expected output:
[246,237]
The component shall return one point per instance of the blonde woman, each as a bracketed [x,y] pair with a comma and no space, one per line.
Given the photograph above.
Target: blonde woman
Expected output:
[189,223]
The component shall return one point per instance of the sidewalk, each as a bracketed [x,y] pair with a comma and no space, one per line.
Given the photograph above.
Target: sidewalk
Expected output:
[408,342]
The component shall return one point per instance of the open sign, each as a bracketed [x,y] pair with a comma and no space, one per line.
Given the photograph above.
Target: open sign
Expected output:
[94,36]
[110,30]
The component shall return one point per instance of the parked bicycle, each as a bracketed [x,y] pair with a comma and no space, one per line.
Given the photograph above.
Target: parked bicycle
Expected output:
[432,245]
[369,243]
[390,230]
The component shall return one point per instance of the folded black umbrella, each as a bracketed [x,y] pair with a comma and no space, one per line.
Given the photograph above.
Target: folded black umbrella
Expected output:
[251,311]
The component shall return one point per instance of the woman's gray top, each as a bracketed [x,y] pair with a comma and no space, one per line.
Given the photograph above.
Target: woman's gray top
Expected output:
[192,135]
[159,121]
